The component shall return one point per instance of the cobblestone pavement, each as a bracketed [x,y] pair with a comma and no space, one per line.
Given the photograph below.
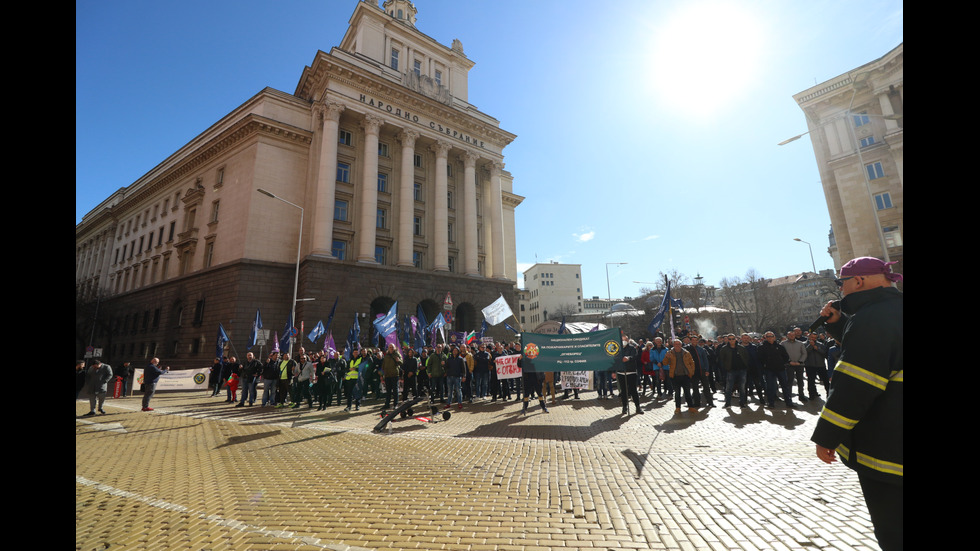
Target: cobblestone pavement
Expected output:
[200,474]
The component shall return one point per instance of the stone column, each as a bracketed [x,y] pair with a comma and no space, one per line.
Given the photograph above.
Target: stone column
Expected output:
[367,225]
[495,210]
[406,214]
[326,179]
[886,109]
[470,252]
[440,210]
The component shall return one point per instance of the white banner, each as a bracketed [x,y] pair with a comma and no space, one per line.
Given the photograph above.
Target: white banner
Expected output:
[575,379]
[507,367]
[497,312]
[185,379]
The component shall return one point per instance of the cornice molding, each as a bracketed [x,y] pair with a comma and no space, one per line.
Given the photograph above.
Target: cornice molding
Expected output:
[248,127]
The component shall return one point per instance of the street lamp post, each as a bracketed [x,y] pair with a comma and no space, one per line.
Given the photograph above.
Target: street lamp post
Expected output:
[299,248]
[812,263]
[608,292]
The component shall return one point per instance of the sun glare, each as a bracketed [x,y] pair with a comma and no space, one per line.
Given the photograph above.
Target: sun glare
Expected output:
[705,55]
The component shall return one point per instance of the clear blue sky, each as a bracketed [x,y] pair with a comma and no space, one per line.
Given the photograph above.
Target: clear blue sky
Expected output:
[646,130]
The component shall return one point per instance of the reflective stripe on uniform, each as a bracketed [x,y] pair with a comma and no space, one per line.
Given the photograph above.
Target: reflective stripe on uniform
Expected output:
[837,419]
[880,465]
[897,376]
[863,375]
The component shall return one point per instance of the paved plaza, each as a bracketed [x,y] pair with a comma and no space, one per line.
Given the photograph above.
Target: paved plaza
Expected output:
[199,474]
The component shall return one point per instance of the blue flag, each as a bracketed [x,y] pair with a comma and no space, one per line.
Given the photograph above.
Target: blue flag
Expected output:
[387,323]
[317,332]
[437,324]
[665,305]
[511,328]
[332,312]
[562,329]
[222,339]
[286,333]
[253,337]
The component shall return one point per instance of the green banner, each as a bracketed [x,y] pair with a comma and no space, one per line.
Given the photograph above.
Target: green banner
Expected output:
[596,351]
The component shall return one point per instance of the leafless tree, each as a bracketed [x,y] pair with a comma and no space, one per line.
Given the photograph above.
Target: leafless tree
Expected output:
[756,305]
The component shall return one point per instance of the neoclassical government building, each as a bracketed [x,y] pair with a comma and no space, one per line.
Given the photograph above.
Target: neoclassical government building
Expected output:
[401,183]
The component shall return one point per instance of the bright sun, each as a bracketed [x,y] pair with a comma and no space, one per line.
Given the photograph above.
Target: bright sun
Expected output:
[705,55]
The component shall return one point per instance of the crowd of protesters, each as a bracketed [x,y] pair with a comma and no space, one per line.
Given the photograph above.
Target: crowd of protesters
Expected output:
[690,369]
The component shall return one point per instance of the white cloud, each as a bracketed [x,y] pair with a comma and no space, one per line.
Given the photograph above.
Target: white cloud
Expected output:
[584,237]
[649,237]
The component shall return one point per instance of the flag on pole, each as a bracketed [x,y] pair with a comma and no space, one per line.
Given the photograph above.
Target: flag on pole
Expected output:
[222,339]
[386,324]
[286,334]
[511,328]
[562,329]
[437,325]
[332,312]
[329,347]
[665,305]
[498,311]
[253,337]
[317,331]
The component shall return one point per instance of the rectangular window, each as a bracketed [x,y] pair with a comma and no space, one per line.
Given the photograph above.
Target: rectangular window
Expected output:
[874,170]
[149,242]
[452,232]
[417,259]
[449,170]
[394,59]
[382,182]
[418,192]
[382,219]
[883,201]
[450,204]
[418,226]
[865,142]
[343,173]
[417,67]
[220,179]
[439,77]
[380,254]
[173,227]
[142,240]
[160,237]
[861,119]
[199,312]
[382,149]
[452,264]
[345,137]
[214,211]
[418,160]
[208,254]
[340,210]
[339,250]
[893,237]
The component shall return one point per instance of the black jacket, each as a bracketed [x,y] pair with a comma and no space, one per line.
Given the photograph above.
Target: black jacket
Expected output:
[863,418]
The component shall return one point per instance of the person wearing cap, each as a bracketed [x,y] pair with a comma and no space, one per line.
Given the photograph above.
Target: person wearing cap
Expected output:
[862,420]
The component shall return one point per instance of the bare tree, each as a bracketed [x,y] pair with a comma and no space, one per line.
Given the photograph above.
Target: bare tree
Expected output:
[756,305]
[567,309]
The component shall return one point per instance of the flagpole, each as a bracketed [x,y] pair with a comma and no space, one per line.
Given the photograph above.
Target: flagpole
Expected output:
[299,250]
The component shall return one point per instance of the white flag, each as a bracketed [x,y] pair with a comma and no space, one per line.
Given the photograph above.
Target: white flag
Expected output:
[497,312]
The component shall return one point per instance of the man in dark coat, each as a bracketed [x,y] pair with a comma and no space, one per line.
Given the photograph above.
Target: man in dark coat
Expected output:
[863,419]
